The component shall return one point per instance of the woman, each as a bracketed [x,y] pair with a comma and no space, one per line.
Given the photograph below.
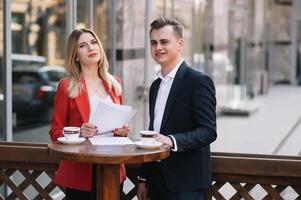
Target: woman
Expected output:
[88,82]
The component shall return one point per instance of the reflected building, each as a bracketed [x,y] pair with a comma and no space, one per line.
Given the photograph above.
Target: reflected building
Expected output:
[245,44]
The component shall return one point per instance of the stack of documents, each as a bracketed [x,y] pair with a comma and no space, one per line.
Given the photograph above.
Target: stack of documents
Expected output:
[109,116]
[109,139]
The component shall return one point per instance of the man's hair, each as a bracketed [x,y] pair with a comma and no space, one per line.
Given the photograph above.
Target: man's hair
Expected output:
[178,28]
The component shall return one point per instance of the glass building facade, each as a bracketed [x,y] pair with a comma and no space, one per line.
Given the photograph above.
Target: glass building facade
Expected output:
[237,42]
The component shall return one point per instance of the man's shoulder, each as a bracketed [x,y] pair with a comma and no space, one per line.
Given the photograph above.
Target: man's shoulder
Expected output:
[193,73]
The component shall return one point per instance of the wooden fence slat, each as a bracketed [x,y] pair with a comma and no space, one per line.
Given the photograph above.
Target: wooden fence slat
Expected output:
[12,186]
[271,192]
[247,187]
[242,191]
[22,186]
[35,184]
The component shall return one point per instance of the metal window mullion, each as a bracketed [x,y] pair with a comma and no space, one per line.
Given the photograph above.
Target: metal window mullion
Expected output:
[90,13]
[7,83]
[294,41]
[149,5]
[114,40]
[71,15]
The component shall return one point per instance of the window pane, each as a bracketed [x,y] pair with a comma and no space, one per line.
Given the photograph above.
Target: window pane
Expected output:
[39,48]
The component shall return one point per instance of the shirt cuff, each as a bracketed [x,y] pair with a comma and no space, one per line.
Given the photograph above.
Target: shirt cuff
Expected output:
[175,146]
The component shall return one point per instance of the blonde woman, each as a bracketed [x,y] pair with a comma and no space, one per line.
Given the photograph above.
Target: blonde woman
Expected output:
[88,82]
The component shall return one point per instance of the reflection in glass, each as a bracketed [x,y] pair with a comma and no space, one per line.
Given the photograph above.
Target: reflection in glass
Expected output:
[38,47]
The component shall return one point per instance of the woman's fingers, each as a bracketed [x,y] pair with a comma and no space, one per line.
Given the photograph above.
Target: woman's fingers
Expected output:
[122,131]
[88,130]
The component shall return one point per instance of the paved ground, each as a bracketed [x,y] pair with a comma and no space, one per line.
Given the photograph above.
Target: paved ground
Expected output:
[273,129]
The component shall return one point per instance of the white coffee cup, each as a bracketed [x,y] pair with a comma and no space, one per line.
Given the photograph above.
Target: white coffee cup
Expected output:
[71,133]
[148,137]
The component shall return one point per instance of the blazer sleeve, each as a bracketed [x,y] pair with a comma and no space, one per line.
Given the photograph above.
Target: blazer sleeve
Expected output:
[204,115]
[60,111]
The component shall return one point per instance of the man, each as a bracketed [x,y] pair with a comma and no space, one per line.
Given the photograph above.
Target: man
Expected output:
[182,110]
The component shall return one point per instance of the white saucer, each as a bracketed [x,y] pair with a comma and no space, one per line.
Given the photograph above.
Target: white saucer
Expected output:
[155,145]
[78,141]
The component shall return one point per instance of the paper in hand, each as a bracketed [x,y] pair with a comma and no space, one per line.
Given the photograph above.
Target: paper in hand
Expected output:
[109,116]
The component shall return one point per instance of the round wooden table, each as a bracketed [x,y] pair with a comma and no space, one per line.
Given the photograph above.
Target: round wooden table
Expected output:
[107,159]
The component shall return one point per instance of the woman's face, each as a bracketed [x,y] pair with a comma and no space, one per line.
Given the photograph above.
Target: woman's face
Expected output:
[88,50]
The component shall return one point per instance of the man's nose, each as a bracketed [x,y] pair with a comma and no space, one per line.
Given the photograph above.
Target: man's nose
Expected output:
[159,46]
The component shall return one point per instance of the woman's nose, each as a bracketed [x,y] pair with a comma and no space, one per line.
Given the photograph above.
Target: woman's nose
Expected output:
[90,47]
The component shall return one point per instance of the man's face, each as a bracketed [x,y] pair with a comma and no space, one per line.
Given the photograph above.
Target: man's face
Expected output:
[165,46]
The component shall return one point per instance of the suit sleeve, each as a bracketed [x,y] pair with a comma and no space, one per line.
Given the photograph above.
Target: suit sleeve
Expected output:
[204,115]
[60,112]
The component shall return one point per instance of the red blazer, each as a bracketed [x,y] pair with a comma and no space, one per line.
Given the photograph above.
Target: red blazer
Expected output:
[74,112]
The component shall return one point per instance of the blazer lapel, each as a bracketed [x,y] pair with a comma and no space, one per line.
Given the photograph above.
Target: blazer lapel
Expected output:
[173,93]
[114,98]
[83,104]
[153,98]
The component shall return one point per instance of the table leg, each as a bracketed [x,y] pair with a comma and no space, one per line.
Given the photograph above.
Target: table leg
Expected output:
[107,182]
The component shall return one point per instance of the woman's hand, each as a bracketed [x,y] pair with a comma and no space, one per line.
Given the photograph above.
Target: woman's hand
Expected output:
[123,132]
[88,130]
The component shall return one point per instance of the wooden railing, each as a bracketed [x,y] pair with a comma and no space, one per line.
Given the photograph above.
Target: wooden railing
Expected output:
[235,176]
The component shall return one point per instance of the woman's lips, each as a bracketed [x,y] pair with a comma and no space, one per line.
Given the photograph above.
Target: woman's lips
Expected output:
[92,54]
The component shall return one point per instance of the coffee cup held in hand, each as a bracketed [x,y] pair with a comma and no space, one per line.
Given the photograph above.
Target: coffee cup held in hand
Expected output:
[148,137]
[71,133]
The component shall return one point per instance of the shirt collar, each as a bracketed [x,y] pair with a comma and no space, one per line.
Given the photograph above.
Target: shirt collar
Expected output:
[172,73]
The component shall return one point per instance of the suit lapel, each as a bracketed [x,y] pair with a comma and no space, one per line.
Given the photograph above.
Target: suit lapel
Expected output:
[173,93]
[83,104]
[153,97]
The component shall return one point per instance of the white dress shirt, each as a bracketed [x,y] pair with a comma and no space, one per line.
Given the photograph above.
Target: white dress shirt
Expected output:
[163,92]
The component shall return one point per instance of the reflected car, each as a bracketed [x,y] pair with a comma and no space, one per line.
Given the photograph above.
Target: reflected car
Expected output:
[33,92]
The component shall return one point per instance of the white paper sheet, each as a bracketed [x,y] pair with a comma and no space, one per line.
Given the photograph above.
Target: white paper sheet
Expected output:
[109,116]
[109,139]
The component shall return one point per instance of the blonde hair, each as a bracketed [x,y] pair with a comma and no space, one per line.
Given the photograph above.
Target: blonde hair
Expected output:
[74,68]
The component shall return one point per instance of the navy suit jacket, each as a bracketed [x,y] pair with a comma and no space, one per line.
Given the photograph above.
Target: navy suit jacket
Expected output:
[190,117]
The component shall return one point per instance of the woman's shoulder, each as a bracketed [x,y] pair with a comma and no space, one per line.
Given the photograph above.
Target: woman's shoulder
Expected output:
[64,83]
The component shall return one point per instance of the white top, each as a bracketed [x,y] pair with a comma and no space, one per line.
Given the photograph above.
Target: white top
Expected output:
[94,100]
[163,92]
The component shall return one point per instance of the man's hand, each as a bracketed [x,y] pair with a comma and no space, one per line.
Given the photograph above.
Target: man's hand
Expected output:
[142,191]
[164,139]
